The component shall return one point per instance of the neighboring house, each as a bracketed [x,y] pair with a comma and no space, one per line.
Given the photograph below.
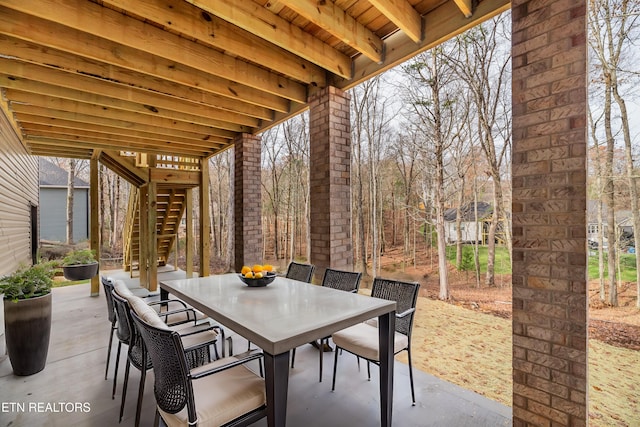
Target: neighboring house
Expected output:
[53,202]
[472,231]
[624,224]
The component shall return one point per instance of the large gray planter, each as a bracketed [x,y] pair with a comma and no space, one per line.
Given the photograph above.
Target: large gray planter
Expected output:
[27,325]
[80,271]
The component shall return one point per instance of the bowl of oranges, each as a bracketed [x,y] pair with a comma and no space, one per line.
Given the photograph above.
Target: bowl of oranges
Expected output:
[258,275]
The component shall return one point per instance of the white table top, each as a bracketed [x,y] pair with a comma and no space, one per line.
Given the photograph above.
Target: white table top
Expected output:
[281,316]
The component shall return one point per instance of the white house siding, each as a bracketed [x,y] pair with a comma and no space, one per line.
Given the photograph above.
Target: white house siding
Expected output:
[18,191]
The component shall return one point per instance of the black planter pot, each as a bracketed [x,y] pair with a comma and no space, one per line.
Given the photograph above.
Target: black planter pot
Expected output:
[80,271]
[27,325]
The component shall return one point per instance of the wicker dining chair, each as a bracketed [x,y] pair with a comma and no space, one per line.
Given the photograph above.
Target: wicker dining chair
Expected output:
[300,272]
[222,393]
[348,281]
[362,339]
[107,286]
[197,341]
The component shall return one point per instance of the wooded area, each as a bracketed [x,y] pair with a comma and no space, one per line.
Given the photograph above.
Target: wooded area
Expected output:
[433,135]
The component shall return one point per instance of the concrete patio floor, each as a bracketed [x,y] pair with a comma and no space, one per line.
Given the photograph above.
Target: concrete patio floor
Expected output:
[71,390]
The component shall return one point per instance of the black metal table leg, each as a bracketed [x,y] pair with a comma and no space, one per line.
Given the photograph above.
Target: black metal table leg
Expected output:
[277,383]
[386,328]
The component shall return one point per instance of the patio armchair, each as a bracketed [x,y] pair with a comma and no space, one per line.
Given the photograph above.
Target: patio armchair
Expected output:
[222,393]
[197,342]
[348,281]
[362,339]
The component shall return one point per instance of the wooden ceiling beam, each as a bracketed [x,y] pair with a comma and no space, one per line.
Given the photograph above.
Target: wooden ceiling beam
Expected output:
[46,130]
[124,168]
[265,24]
[17,26]
[47,116]
[105,101]
[192,21]
[401,13]
[52,139]
[105,23]
[336,21]
[27,121]
[442,23]
[30,52]
[41,105]
[465,6]
[16,70]
[55,151]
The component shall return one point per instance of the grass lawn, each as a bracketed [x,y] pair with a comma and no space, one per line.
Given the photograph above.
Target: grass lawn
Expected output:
[502,263]
[628,271]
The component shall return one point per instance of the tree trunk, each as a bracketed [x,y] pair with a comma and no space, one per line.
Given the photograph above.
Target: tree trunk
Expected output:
[70,194]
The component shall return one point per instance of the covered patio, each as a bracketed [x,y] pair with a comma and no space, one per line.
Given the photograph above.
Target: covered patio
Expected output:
[153,88]
[75,374]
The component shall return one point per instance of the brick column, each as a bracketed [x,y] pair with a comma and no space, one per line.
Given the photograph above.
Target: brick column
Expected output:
[330,180]
[549,213]
[247,201]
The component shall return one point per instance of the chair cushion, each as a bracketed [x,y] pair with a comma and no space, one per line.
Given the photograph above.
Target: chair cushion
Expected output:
[222,397]
[196,339]
[145,312]
[362,340]
[122,289]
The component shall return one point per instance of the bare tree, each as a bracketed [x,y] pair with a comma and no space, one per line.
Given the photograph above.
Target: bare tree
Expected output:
[431,98]
[371,120]
[612,23]
[482,61]
[70,193]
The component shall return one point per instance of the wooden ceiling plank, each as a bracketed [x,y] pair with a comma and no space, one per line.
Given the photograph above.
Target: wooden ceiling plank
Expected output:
[53,151]
[56,77]
[192,21]
[465,6]
[107,24]
[265,24]
[47,130]
[90,143]
[112,126]
[27,120]
[90,98]
[33,43]
[30,52]
[338,22]
[71,110]
[401,13]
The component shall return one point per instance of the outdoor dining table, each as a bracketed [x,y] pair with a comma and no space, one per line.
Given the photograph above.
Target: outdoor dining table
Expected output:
[284,315]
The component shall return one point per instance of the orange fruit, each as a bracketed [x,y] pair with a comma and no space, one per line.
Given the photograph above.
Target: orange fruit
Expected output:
[257,268]
[245,270]
[267,267]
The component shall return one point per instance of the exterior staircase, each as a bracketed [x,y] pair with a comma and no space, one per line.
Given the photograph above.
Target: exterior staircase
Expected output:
[170,207]
[172,178]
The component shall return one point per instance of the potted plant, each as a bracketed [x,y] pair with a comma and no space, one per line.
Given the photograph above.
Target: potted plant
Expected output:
[27,316]
[80,264]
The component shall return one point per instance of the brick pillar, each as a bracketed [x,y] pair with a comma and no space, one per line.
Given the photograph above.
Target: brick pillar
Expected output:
[549,213]
[247,201]
[330,180]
